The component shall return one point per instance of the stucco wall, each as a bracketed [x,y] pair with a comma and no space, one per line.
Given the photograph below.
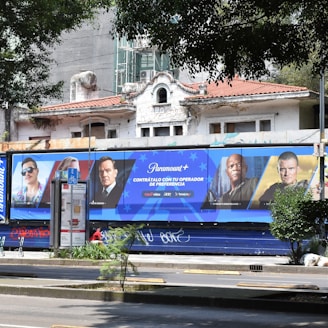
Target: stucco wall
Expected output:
[283,113]
[125,128]
[150,112]
[26,131]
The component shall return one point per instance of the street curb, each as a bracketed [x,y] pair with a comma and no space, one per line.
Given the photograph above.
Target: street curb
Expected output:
[175,297]
[252,267]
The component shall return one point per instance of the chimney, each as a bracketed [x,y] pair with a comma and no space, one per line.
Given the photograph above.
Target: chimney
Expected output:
[203,89]
[83,86]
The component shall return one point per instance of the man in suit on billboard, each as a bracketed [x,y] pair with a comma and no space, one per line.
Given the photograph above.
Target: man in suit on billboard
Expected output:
[111,191]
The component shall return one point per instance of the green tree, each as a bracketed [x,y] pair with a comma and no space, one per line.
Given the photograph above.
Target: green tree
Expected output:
[317,211]
[290,222]
[225,37]
[119,243]
[28,30]
[302,76]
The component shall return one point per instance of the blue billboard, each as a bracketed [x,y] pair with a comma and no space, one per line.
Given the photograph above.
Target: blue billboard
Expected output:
[3,174]
[172,185]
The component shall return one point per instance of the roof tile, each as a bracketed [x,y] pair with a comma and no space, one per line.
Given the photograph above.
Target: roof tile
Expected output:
[91,103]
[237,87]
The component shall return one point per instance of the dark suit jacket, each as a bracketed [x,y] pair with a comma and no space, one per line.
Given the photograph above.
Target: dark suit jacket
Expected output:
[111,199]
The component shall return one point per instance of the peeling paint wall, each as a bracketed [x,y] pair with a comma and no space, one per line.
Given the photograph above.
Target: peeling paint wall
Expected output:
[213,140]
[152,113]
[54,144]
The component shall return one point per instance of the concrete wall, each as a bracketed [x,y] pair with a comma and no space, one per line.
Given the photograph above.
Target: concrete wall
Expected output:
[89,48]
[215,140]
[288,137]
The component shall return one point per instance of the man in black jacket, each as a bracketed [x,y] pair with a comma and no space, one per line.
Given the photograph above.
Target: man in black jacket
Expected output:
[288,168]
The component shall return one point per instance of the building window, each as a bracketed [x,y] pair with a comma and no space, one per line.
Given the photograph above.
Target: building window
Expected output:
[145,132]
[162,131]
[97,130]
[111,134]
[178,130]
[76,134]
[39,138]
[228,125]
[265,125]
[162,96]
[240,127]
[215,128]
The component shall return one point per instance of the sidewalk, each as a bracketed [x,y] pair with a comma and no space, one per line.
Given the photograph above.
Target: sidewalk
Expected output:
[239,297]
[256,263]
[167,258]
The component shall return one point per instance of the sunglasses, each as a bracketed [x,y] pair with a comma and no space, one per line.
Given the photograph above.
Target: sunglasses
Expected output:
[29,169]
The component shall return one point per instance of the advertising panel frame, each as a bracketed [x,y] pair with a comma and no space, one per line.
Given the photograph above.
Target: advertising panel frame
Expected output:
[3,189]
[168,185]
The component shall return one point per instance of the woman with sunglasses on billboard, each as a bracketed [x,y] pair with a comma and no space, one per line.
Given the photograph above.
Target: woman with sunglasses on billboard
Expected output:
[31,193]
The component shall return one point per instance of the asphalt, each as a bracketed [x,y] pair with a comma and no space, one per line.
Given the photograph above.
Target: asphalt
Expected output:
[266,297]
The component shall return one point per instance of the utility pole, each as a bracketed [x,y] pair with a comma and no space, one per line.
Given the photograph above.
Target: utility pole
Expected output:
[322,135]
[322,233]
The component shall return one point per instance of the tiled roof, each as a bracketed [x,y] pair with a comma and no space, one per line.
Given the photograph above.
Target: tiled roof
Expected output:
[91,103]
[239,87]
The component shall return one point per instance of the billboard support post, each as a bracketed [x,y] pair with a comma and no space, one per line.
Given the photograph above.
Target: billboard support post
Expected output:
[72,176]
[55,215]
[71,225]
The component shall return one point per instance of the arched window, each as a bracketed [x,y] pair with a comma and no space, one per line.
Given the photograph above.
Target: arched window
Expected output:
[95,126]
[96,129]
[162,96]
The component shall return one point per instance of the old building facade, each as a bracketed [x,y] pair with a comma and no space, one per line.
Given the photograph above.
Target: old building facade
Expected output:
[165,112]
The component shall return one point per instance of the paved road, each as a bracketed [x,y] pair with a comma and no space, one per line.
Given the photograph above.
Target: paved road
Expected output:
[218,278]
[77,309]
[35,312]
